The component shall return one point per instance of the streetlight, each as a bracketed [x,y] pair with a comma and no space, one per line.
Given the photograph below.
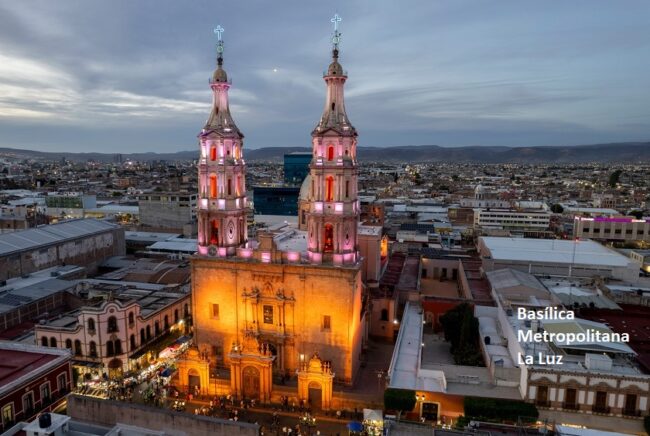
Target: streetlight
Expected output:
[419,399]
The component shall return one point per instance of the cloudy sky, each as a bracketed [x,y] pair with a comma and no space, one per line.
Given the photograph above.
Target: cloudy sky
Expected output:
[125,75]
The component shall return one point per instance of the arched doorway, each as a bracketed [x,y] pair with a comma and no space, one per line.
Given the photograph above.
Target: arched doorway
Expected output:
[251,382]
[315,395]
[193,379]
[328,240]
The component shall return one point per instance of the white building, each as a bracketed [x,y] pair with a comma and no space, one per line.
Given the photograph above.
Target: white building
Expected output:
[582,258]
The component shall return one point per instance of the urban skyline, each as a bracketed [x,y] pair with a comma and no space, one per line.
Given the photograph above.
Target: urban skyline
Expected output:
[451,74]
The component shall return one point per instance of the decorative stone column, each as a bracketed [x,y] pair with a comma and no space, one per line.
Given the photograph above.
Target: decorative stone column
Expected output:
[318,373]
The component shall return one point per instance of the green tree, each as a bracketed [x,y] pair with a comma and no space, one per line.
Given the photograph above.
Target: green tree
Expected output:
[402,400]
[613,178]
[638,214]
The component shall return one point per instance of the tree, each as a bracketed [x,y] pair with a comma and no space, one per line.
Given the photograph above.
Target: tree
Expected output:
[402,400]
[613,178]
[638,214]
[557,208]
[494,409]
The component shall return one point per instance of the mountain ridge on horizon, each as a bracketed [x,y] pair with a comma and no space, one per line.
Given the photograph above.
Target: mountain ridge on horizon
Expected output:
[622,152]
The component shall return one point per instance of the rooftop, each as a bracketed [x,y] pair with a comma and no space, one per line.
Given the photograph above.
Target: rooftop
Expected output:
[583,252]
[20,363]
[51,234]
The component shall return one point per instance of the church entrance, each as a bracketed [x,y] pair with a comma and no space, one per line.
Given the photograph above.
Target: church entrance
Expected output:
[193,379]
[251,382]
[315,396]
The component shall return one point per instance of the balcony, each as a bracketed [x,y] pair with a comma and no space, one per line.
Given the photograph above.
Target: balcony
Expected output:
[570,406]
[601,409]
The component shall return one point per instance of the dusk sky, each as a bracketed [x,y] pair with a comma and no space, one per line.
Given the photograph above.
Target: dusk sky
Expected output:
[125,76]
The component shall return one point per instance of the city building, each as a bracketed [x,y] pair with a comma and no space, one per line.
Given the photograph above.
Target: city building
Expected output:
[293,300]
[532,220]
[115,323]
[612,229]
[83,242]
[296,167]
[68,205]
[169,211]
[32,380]
[276,200]
[582,258]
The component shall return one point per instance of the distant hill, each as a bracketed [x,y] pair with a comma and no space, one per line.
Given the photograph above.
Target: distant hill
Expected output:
[624,152]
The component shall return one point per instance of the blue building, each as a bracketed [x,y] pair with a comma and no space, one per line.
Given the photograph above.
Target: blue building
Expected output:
[296,168]
[276,200]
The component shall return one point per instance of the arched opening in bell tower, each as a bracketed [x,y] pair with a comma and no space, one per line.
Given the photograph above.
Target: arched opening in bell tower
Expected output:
[213,152]
[328,240]
[214,232]
[329,188]
[213,186]
[330,152]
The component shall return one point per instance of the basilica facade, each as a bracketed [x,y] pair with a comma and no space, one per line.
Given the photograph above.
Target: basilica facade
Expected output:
[291,304]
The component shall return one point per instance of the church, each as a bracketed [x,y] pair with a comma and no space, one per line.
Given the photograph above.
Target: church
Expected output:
[292,303]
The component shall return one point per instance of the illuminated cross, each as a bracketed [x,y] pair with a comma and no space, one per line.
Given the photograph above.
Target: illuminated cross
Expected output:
[336,20]
[218,31]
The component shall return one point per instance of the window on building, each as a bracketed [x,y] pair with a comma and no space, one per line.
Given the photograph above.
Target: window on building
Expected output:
[62,382]
[268,314]
[110,351]
[175,316]
[570,398]
[630,404]
[77,347]
[53,342]
[156,328]
[131,319]
[384,314]
[44,341]
[215,311]
[8,415]
[148,332]
[329,189]
[92,349]
[112,325]
[28,404]
[118,347]
[68,344]
[213,152]
[143,338]
[330,152]
[91,325]
[347,189]
[166,322]
[186,310]
[132,342]
[327,322]
[542,395]
[46,394]
[213,186]
[601,401]
[328,240]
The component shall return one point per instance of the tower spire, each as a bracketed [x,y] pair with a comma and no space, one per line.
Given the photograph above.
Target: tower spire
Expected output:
[333,203]
[223,205]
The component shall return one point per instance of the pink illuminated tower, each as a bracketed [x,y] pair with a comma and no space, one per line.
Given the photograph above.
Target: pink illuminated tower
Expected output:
[333,213]
[222,190]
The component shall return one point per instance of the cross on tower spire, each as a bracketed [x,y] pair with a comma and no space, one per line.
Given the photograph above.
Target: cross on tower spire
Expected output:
[219,31]
[336,38]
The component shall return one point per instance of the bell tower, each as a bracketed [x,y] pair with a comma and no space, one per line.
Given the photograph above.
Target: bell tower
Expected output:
[222,190]
[333,213]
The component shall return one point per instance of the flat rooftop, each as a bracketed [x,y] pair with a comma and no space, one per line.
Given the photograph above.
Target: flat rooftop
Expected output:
[31,239]
[19,362]
[583,252]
